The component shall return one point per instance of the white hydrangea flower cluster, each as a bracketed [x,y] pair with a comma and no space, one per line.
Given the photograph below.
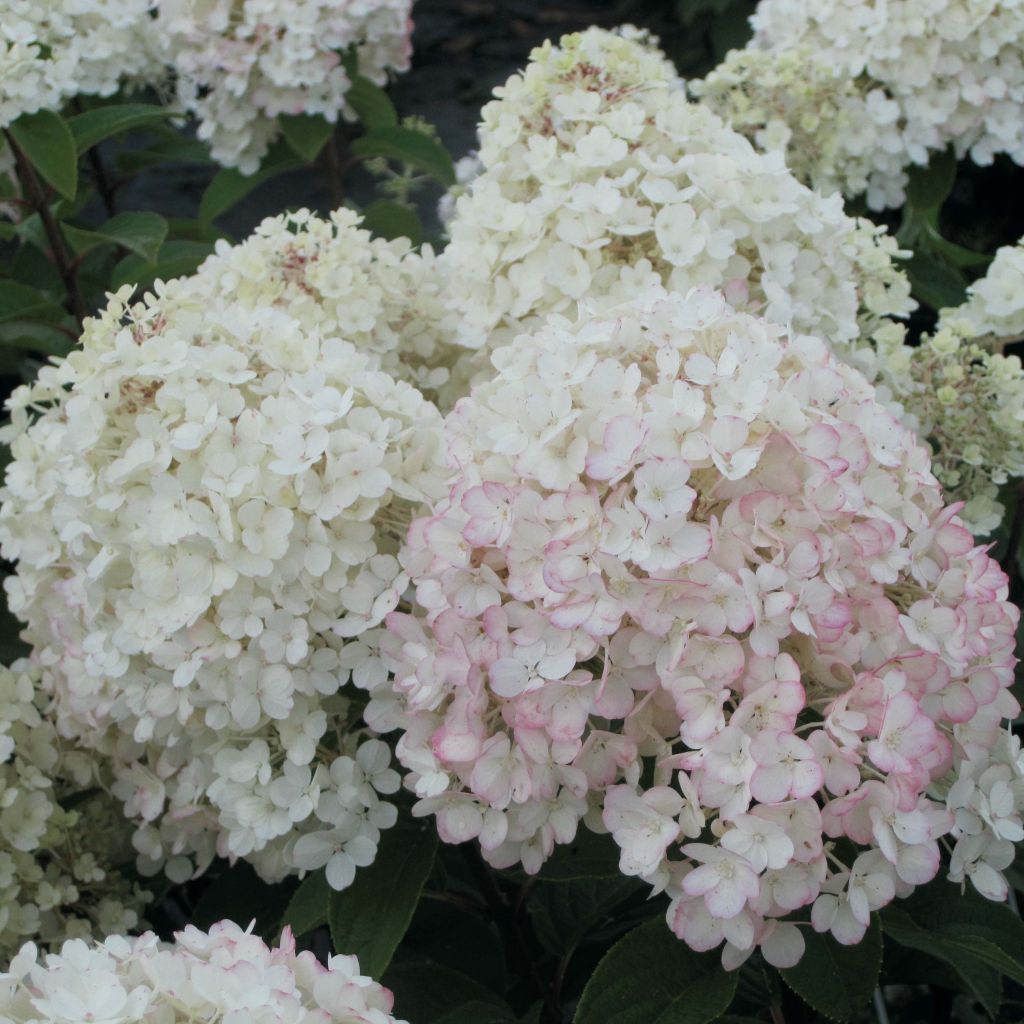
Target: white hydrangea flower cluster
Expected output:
[967,400]
[205,503]
[240,64]
[58,880]
[226,975]
[598,177]
[994,307]
[836,135]
[51,50]
[855,92]
[694,585]
[331,275]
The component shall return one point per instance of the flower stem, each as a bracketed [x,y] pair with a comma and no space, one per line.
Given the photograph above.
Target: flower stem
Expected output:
[66,266]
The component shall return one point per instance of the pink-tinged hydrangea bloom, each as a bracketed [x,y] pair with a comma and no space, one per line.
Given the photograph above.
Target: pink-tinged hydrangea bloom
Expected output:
[226,974]
[693,583]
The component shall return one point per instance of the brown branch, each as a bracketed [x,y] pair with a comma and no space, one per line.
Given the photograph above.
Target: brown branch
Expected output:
[58,249]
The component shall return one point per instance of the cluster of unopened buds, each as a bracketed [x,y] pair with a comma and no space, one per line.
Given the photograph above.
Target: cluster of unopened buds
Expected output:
[695,586]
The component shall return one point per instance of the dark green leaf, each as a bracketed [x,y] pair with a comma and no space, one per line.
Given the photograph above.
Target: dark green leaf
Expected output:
[12,646]
[140,232]
[965,970]
[175,149]
[372,104]
[972,934]
[563,913]
[46,140]
[934,282]
[20,302]
[955,254]
[230,186]
[174,260]
[928,187]
[409,146]
[456,937]
[837,980]
[307,908]
[94,126]
[38,338]
[588,856]
[425,992]
[389,219]
[478,1013]
[651,977]
[238,894]
[370,917]
[306,133]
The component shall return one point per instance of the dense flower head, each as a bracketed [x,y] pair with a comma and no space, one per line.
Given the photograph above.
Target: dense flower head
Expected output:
[994,308]
[58,880]
[695,585]
[205,503]
[855,92]
[330,274]
[225,975]
[242,64]
[597,177]
[967,398]
[52,50]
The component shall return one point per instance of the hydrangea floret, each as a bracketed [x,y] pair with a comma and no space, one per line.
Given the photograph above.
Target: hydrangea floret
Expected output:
[242,64]
[205,503]
[52,50]
[226,975]
[994,308]
[693,584]
[854,93]
[58,880]
[598,177]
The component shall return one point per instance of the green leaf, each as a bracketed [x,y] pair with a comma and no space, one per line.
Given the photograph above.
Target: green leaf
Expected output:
[972,934]
[372,104]
[563,913]
[651,977]
[20,302]
[238,894]
[934,282]
[456,937]
[476,1012]
[46,140]
[173,149]
[837,980]
[929,187]
[389,219]
[411,147]
[175,259]
[370,917]
[306,133]
[425,992]
[955,254]
[972,974]
[230,186]
[94,126]
[140,232]
[307,908]
[589,855]
[39,338]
